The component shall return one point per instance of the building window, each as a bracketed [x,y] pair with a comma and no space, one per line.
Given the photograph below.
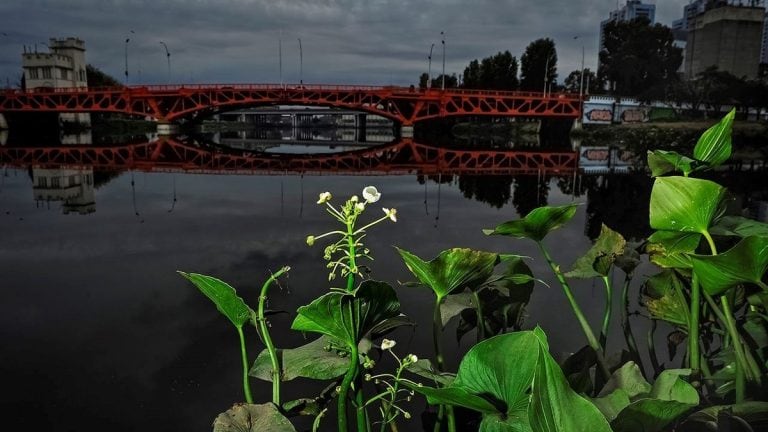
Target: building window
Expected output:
[47,72]
[33,74]
[55,182]
[82,75]
[64,74]
[42,182]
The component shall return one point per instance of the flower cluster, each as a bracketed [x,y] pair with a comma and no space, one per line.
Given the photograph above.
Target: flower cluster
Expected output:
[393,395]
[342,255]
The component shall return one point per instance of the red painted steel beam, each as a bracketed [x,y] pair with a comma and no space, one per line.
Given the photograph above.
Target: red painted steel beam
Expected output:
[404,105]
[404,156]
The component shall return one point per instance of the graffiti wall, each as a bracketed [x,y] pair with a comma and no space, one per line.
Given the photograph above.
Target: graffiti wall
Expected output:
[607,110]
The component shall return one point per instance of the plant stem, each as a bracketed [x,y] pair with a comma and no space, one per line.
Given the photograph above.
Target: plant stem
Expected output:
[437,330]
[711,242]
[479,311]
[694,355]
[607,312]
[626,326]
[753,372]
[652,348]
[344,390]
[577,311]
[741,361]
[351,251]
[276,369]
[360,413]
[244,355]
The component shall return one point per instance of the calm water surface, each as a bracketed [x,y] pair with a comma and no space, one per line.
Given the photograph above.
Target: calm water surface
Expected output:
[100,333]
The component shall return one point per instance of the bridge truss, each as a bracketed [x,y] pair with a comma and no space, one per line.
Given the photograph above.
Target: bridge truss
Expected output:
[407,106]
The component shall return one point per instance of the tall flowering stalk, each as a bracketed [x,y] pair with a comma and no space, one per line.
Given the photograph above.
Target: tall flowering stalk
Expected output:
[343,255]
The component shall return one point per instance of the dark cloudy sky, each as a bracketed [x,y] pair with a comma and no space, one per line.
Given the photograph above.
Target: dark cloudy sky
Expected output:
[344,41]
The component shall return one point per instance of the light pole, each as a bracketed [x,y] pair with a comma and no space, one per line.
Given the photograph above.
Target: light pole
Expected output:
[429,68]
[301,64]
[442,35]
[546,71]
[168,57]
[280,57]
[128,39]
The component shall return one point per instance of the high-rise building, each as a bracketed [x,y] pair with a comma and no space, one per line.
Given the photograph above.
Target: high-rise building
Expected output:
[728,35]
[632,10]
[764,43]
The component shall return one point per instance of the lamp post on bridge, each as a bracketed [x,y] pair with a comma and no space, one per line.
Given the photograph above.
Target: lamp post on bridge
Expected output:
[168,57]
[301,64]
[128,39]
[429,68]
[442,35]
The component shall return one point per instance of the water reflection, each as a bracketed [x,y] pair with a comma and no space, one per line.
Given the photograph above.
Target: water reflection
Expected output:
[97,295]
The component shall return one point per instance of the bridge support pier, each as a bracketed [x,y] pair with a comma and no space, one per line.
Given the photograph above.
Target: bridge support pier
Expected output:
[3,122]
[167,129]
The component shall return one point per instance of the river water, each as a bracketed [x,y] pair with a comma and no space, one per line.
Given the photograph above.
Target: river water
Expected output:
[100,333]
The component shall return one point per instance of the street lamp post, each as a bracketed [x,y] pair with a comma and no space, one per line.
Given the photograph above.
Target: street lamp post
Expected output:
[301,64]
[128,39]
[429,68]
[546,72]
[442,35]
[168,57]
[126,59]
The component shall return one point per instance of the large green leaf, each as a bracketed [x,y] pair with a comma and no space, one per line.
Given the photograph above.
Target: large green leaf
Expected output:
[739,226]
[223,296]
[685,204]
[252,418]
[612,403]
[669,398]
[663,297]
[494,378]
[597,261]
[453,305]
[536,224]
[452,270]
[670,249]
[314,360]
[555,407]
[628,378]
[348,316]
[745,262]
[714,145]
[754,413]
[662,162]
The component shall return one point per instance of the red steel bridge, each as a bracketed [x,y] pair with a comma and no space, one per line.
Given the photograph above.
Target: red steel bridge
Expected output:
[400,157]
[404,105]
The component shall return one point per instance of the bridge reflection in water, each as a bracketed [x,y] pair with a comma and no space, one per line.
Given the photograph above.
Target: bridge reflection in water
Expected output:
[400,157]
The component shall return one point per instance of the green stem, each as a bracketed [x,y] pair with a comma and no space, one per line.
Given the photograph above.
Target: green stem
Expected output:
[244,355]
[607,312]
[694,352]
[388,408]
[753,372]
[361,412]
[593,342]
[276,370]
[351,250]
[437,330]
[741,361]
[344,390]
[626,325]
[711,242]
[652,348]
[480,322]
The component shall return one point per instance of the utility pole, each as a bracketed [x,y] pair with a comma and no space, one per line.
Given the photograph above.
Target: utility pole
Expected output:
[429,68]
[301,64]
[442,35]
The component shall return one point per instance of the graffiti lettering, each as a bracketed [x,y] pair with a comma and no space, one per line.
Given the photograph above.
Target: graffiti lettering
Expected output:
[633,116]
[600,115]
[596,155]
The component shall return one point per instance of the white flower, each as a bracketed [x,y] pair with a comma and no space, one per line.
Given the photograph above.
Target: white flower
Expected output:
[387,344]
[324,198]
[360,206]
[371,194]
[354,199]
[412,358]
[390,213]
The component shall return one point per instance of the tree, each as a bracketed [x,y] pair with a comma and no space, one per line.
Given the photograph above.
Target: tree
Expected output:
[638,59]
[437,83]
[498,72]
[97,78]
[538,61]
[591,84]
